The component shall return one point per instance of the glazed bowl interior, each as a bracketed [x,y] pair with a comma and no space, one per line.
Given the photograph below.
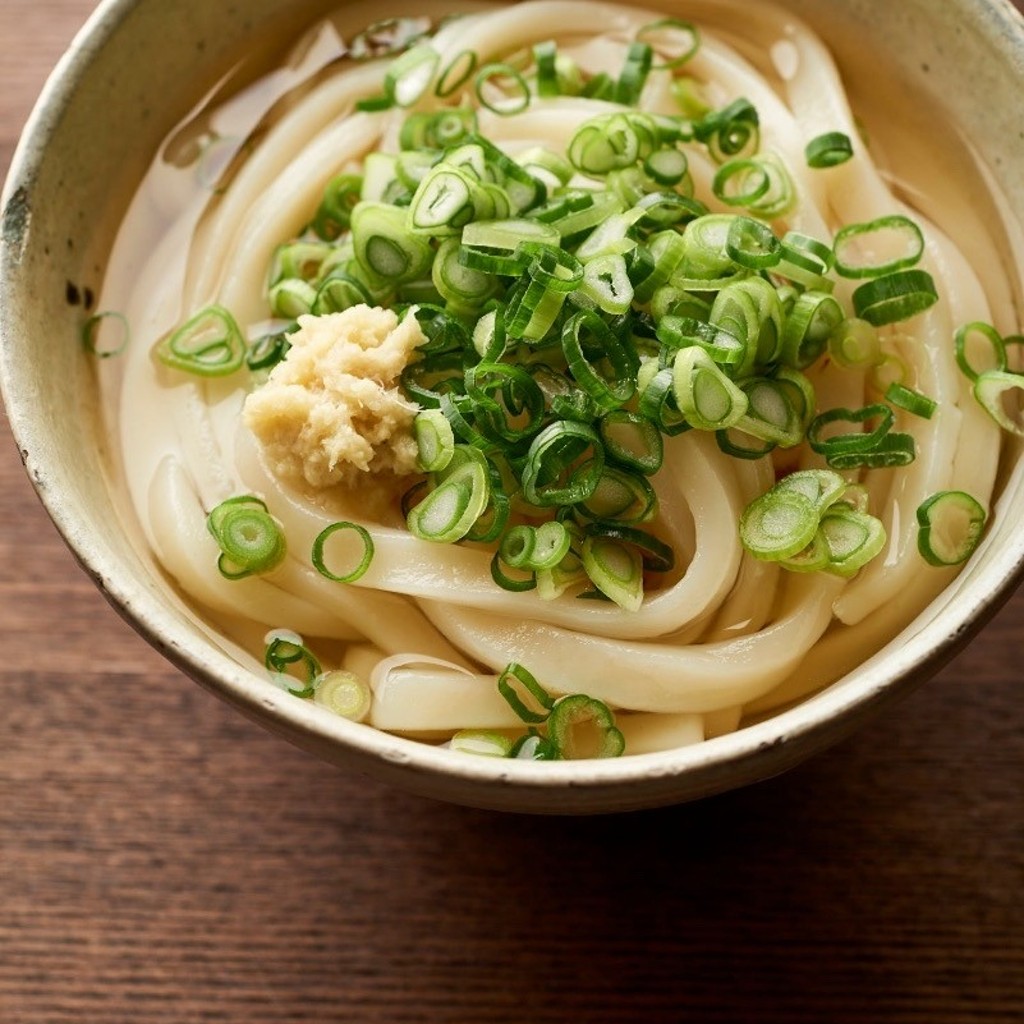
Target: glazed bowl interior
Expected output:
[106,109]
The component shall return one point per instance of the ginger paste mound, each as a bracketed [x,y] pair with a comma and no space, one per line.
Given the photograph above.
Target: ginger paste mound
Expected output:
[332,409]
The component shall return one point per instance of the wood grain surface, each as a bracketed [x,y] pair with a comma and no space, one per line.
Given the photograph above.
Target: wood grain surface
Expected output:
[164,860]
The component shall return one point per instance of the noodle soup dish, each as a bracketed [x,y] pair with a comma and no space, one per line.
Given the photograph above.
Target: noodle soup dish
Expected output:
[559,406]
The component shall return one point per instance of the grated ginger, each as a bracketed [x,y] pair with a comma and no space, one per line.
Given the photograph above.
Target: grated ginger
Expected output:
[332,410]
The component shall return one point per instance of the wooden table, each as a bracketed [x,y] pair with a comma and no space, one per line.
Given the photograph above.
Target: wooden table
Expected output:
[161,859]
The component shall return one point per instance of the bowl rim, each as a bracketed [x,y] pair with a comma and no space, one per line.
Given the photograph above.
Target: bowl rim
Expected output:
[701,766]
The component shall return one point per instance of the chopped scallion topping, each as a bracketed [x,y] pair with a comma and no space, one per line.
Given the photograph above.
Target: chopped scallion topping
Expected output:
[359,564]
[250,539]
[828,150]
[950,525]
[210,344]
[105,335]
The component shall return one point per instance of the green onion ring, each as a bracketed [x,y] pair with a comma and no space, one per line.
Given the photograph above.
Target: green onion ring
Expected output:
[364,562]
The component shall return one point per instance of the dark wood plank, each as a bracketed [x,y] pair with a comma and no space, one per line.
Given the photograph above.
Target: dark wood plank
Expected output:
[164,860]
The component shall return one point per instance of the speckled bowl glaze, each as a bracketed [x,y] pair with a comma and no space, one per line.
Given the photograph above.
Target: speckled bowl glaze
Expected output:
[135,69]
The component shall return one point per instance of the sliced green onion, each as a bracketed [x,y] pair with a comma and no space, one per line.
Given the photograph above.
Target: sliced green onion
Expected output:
[463,289]
[878,247]
[410,75]
[779,524]
[492,521]
[667,166]
[753,244]
[360,566]
[854,345]
[545,55]
[456,73]
[445,201]
[895,297]
[286,652]
[616,569]
[435,131]
[338,292]
[380,176]
[857,497]
[481,743]
[999,394]
[822,487]
[388,36]
[814,558]
[374,104]
[760,184]
[828,150]
[555,268]
[600,87]
[687,92]
[912,401]
[96,327]
[533,309]
[292,298]
[494,246]
[208,345]
[634,74]
[334,213]
[677,41]
[546,165]
[665,209]
[658,402]
[854,441]
[508,80]
[749,310]
[249,537]
[737,444]
[812,321]
[384,245]
[852,538]
[668,249]
[621,496]
[534,747]
[301,260]
[268,350]
[585,332]
[733,131]
[606,283]
[632,441]
[950,525]
[583,213]
[518,585]
[552,541]
[563,465]
[774,412]
[805,262]
[524,695]
[583,727]
[705,396]
[435,440]
[655,555]
[812,253]
[892,452]
[553,583]
[449,511]
[705,240]
[974,336]
[614,141]
[445,334]
[343,693]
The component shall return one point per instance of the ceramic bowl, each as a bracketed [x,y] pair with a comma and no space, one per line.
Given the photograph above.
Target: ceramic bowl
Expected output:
[135,69]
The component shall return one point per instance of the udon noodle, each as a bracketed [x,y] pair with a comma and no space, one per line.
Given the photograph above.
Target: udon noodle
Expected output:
[721,639]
